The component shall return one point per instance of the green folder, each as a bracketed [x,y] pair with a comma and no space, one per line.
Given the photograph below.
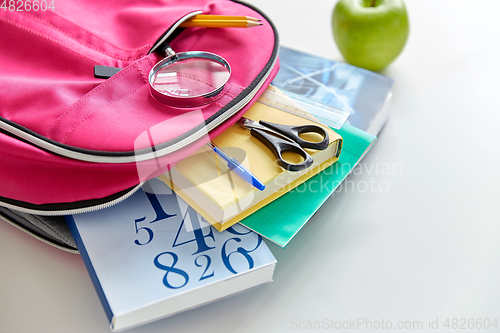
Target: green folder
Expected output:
[279,223]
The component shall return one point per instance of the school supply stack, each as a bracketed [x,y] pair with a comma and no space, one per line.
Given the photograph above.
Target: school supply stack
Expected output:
[174,99]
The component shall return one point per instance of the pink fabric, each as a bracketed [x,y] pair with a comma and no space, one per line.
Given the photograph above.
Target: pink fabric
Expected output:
[47,62]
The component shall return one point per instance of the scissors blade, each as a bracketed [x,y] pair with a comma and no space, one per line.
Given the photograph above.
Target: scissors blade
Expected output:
[250,124]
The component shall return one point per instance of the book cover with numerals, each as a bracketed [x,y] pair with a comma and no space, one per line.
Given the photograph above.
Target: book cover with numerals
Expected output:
[152,256]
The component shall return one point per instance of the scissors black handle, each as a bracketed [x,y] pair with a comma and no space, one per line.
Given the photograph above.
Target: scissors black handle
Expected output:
[294,132]
[278,146]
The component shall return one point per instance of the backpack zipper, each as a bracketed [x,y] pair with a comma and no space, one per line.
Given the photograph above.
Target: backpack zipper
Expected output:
[70,211]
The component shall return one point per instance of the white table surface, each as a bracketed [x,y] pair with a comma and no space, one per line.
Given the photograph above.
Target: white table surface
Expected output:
[423,245]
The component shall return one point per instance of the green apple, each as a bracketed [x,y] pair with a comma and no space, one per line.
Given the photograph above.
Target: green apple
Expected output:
[370,33]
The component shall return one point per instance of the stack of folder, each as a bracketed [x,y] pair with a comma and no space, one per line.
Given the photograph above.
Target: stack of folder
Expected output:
[277,215]
[171,248]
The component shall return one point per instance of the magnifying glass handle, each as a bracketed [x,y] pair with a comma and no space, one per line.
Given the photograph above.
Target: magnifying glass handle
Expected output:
[168,52]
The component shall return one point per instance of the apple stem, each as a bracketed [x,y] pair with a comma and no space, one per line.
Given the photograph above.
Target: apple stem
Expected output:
[373,3]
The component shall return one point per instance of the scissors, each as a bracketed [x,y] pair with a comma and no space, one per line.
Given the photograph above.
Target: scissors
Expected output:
[281,138]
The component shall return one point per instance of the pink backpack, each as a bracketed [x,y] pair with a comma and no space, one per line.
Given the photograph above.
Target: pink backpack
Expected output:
[70,142]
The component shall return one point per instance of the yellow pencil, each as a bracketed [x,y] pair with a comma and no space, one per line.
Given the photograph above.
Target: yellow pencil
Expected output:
[219,24]
[224,17]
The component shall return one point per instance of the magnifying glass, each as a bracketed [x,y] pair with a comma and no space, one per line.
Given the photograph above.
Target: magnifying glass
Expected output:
[189,79]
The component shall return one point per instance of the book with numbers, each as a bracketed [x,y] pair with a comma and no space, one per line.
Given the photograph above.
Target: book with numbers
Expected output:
[152,256]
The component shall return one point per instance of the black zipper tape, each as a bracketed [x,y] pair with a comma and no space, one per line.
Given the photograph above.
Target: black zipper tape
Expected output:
[65,206]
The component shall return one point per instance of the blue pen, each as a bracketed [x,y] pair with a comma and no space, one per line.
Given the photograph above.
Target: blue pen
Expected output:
[234,165]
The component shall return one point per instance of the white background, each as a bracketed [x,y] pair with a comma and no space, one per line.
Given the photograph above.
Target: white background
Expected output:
[424,245]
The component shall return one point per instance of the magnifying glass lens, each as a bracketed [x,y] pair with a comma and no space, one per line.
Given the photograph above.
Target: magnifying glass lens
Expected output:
[191,77]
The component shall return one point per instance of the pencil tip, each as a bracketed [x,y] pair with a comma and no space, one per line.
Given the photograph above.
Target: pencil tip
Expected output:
[253,24]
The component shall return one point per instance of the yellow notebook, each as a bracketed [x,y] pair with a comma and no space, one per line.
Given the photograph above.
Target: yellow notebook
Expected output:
[218,194]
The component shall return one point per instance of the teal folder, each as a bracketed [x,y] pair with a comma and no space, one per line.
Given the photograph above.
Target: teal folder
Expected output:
[282,219]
